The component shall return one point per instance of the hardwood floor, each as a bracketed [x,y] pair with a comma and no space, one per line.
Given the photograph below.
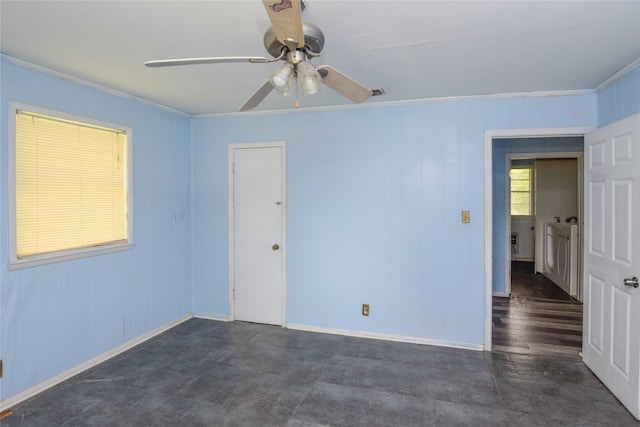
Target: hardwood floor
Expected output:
[539,318]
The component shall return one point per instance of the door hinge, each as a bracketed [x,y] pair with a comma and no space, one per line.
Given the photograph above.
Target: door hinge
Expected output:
[0,368]
[234,293]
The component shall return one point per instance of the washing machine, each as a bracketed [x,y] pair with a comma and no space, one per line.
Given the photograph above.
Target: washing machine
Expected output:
[561,255]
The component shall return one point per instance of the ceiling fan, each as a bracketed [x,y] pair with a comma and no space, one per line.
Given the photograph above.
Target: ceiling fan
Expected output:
[294,42]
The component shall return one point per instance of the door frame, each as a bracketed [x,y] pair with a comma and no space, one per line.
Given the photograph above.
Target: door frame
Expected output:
[231,215]
[489,136]
[535,156]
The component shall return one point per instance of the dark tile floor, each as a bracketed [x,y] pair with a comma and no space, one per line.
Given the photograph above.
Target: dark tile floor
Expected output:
[207,373]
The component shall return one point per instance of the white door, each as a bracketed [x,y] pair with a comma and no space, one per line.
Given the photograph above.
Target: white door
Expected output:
[611,337]
[258,237]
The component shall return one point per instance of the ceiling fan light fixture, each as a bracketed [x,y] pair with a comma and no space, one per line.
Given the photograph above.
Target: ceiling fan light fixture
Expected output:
[296,43]
[308,78]
[282,77]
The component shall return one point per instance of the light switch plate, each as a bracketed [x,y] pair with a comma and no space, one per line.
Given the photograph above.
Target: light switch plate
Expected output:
[466,217]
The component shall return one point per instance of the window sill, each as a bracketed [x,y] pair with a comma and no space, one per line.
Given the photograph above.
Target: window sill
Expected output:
[37,260]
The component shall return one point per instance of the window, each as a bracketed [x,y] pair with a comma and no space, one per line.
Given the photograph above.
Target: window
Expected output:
[70,194]
[521,194]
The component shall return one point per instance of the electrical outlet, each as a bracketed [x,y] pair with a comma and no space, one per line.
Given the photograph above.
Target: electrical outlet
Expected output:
[365,309]
[466,217]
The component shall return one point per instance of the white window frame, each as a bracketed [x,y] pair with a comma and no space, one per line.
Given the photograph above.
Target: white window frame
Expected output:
[531,192]
[16,263]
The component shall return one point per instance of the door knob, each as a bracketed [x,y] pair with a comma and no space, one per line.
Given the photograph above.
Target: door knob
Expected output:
[631,282]
[276,246]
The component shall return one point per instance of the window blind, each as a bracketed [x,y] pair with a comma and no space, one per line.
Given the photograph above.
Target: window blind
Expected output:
[70,185]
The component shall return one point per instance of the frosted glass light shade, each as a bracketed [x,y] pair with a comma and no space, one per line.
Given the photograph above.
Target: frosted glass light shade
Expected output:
[309,78]
[282,77]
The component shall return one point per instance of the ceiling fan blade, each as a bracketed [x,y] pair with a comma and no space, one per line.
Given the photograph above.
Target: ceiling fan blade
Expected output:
[214,60]
[286,19]
[257,97]
[343,84]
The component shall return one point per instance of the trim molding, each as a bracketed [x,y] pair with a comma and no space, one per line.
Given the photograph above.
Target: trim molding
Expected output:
[384,337]
[69,373]
[209,317]
[82,82]
[381,104]
[617,76]
[73,79]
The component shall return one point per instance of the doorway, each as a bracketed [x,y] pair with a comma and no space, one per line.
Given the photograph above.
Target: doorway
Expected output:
[497,243]
[257,227]
[535,314]
[552,193]
[610,169]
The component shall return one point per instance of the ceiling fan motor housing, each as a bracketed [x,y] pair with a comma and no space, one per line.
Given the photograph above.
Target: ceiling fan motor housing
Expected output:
[313,40]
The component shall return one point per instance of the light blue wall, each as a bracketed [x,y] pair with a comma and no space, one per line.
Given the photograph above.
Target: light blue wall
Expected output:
[619,100]
[374,201]
[55,317]
[502,147]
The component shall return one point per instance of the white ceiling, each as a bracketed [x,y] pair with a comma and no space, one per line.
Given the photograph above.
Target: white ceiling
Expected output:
[412,49]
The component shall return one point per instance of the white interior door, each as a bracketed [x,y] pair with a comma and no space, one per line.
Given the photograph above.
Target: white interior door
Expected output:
[258,237]
[611,337]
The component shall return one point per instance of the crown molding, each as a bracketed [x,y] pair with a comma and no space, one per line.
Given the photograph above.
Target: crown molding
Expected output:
[540,94]
[378,104]
[86,83]
[617,76]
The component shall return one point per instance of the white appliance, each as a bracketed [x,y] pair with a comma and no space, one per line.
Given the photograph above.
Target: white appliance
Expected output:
[561,255]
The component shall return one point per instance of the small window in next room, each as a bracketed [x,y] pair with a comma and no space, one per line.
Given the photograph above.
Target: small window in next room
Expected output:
[70,193]
[521,191]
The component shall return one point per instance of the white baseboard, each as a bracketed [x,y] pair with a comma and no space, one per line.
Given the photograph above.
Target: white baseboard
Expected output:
[385,337]
[57,379]
[501,294]
[209,317]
